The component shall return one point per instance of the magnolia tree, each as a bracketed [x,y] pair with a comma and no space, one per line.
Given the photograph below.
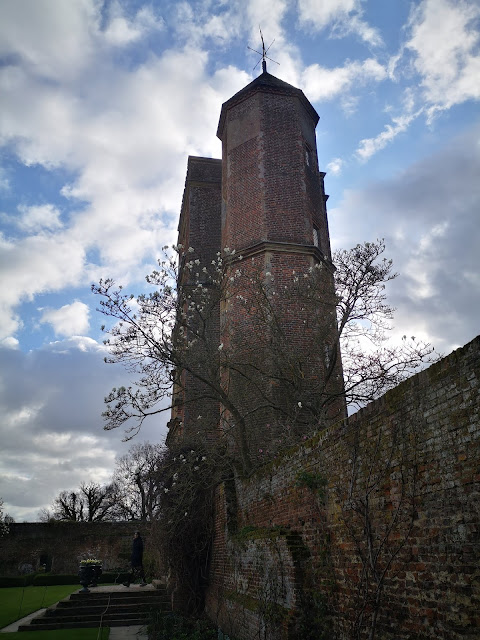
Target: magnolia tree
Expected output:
[172,335]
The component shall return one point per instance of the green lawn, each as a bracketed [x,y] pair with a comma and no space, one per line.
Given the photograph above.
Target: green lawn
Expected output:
[62,634]
[18,602]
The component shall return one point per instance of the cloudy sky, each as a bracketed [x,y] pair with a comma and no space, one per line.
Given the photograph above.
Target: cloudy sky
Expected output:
[101,103]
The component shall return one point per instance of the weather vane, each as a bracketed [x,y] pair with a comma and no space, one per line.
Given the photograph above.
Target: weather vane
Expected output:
[264,52]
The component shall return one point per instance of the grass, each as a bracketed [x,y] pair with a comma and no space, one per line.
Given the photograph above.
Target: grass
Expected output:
[61,634]
[18,602]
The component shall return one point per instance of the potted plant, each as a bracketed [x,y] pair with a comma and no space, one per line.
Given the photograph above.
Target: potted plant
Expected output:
[89,573]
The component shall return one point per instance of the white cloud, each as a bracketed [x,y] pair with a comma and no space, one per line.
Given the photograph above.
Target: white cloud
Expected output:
[335,166]
[343,16]
[199,26]
[121,31]
[196,25]
[50,36]
[36,218]
[421,278]
[369,146]
[35,264]
[269,16]
[10,343]
[445,40]
[321,83]
[69,320]
[60,39]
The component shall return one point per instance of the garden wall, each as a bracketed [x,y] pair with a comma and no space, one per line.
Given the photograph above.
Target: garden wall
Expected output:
[60,545]
[369,525]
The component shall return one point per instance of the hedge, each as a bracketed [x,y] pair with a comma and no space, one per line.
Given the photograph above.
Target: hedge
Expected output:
[17,581]
[50,579]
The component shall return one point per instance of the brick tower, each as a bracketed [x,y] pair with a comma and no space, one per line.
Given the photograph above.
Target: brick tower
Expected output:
[272,191]
[273,215]
[199,227]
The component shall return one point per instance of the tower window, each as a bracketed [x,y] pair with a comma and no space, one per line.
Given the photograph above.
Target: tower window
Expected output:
[315,236]
[309,157]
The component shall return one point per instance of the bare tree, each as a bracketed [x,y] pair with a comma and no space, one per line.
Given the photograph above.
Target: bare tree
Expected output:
[137,482]
[167,334]
[133,493]
[90,503]
[99,501]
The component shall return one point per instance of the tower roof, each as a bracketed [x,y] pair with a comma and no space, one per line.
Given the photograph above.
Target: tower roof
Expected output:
[270,84]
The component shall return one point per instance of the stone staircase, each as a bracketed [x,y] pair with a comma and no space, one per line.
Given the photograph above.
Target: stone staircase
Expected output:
[114,606]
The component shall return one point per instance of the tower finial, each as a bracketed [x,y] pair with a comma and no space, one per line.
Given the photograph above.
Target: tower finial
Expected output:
[264,52]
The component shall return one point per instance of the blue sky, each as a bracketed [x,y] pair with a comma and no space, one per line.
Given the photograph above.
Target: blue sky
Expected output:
[102,102]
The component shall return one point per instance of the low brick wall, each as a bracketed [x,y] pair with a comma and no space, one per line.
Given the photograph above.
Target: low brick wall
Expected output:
[385,508]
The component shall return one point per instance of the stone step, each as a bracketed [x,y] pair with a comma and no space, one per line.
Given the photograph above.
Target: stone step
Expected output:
[118,607]
[115,596]
[84,624]
[118,615]
[124,600]
[63,612]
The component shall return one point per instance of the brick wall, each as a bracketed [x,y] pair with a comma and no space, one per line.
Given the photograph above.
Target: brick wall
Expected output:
[289,541]
[62,544]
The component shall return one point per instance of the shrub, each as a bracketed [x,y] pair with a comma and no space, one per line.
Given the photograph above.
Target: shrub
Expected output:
[49,579]
[172,626]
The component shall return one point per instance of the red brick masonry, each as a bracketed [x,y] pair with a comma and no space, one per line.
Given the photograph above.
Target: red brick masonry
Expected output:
[292,556]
